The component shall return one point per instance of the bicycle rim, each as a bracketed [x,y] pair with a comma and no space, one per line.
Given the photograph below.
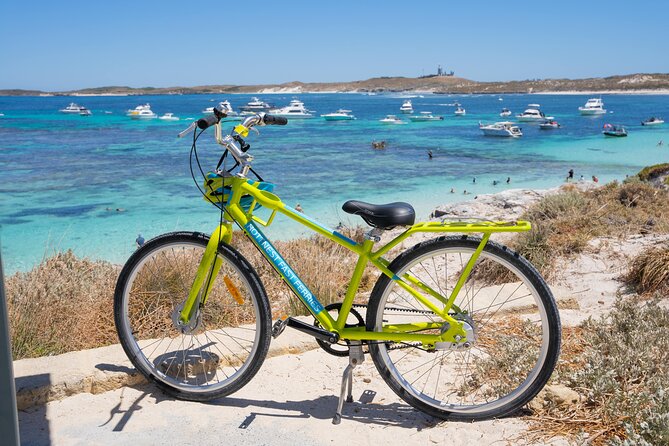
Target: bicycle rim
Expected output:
[219,352]
[505,303]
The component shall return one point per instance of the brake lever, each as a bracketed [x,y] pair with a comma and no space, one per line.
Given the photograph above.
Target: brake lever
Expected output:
[188,130]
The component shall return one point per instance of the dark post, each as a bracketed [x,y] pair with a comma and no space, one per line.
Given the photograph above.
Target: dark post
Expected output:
[9,421]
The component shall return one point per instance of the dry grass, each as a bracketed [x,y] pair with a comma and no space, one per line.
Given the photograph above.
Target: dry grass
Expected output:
[66,303]
[649,272]
[63,304]
[564,223]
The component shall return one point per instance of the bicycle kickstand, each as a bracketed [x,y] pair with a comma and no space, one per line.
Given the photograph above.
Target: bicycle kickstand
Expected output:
[355,357]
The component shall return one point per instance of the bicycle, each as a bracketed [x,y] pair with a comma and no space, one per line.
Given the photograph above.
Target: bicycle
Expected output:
[458,326]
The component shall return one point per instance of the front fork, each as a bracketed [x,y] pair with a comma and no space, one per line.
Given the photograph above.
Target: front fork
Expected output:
[206,274]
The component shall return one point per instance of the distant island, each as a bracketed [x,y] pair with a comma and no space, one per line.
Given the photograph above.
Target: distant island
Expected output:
[438,84]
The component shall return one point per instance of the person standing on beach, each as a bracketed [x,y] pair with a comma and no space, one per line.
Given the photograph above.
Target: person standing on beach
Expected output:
[570,175]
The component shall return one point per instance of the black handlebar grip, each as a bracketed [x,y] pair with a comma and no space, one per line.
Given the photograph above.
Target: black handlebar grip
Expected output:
[275,120]
[207,122]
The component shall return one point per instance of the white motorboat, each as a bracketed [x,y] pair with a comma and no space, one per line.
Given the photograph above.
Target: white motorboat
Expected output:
[255,105]
[652,121]
[505,112]
[83,111]
[593,106]
[392,119]
[425,116]
[406,107]
[339,115]
[459,111]
[142,112]
[72,109]
[505,129]
[533,114]
[294,110]
[549,125]
[169,117]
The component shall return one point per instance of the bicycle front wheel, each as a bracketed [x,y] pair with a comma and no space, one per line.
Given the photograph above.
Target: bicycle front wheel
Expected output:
[512,323]
[224,345]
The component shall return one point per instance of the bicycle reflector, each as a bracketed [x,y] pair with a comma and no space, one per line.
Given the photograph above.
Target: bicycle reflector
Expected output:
[217,191]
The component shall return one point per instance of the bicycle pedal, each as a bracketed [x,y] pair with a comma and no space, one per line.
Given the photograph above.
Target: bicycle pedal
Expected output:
[279,326]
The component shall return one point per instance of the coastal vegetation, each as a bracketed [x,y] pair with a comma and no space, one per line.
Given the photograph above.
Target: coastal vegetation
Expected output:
[436,84]
[610,386]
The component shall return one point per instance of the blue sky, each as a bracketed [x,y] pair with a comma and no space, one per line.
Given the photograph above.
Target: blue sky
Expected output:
[69,44]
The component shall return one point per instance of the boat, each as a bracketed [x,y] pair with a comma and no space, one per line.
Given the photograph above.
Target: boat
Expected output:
[593,106]
[294,110]
[505,112]
[169,117]
[614,130]
[224,106]
[392,119]
[425,116]
[459,111]
[255,105]
[142,112]
[72,109]
[406,107]
[505,129]
[549,125]
[339,115]
[533,114]
[652,121]
[83,111]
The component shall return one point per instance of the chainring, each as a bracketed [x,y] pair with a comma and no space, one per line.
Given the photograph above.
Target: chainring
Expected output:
[339,350]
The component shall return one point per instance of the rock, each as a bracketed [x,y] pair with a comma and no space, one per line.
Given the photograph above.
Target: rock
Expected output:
[561,395]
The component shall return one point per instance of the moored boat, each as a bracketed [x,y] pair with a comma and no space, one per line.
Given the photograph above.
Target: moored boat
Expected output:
[169,117]
[549,125]
[255,105]
[406,107]
[504,129]
[460,111]
[72,109]
[614,130]
[505,112]
[533,114]
[593,106]
[294,110]
[339,115]
[425,116]
[83,111]
[142,112]
[392,119]
[652,121]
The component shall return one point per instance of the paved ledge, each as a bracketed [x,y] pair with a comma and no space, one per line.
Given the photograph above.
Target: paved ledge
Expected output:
[49,378]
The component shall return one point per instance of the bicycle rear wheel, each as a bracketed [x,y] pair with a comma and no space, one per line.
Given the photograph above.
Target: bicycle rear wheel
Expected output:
[514,325]
[222,349]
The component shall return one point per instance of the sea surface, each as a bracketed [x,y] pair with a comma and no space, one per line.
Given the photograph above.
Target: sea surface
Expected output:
[92,184]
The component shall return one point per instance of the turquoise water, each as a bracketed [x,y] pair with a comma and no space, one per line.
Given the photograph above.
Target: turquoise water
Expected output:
[64,177]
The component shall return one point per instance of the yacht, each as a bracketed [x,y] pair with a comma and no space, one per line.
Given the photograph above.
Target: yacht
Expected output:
[83,111]
[425,116]
[505,129]
[339,115]
[614,130]
[72,109]
[505,112]
[141,112]
[169,117]
[653,121]
[593,106]
[255,105]
[459,111]
[294,110]
[406,107]
[392,119]
[533,114]
[549,125]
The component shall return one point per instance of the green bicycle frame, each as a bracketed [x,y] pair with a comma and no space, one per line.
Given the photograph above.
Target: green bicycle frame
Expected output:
[410,332]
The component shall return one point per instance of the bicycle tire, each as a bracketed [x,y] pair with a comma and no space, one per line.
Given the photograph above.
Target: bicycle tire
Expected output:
[223,350]
[499,375]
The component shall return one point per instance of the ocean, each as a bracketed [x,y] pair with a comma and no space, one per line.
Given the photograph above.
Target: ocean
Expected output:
[92,184]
